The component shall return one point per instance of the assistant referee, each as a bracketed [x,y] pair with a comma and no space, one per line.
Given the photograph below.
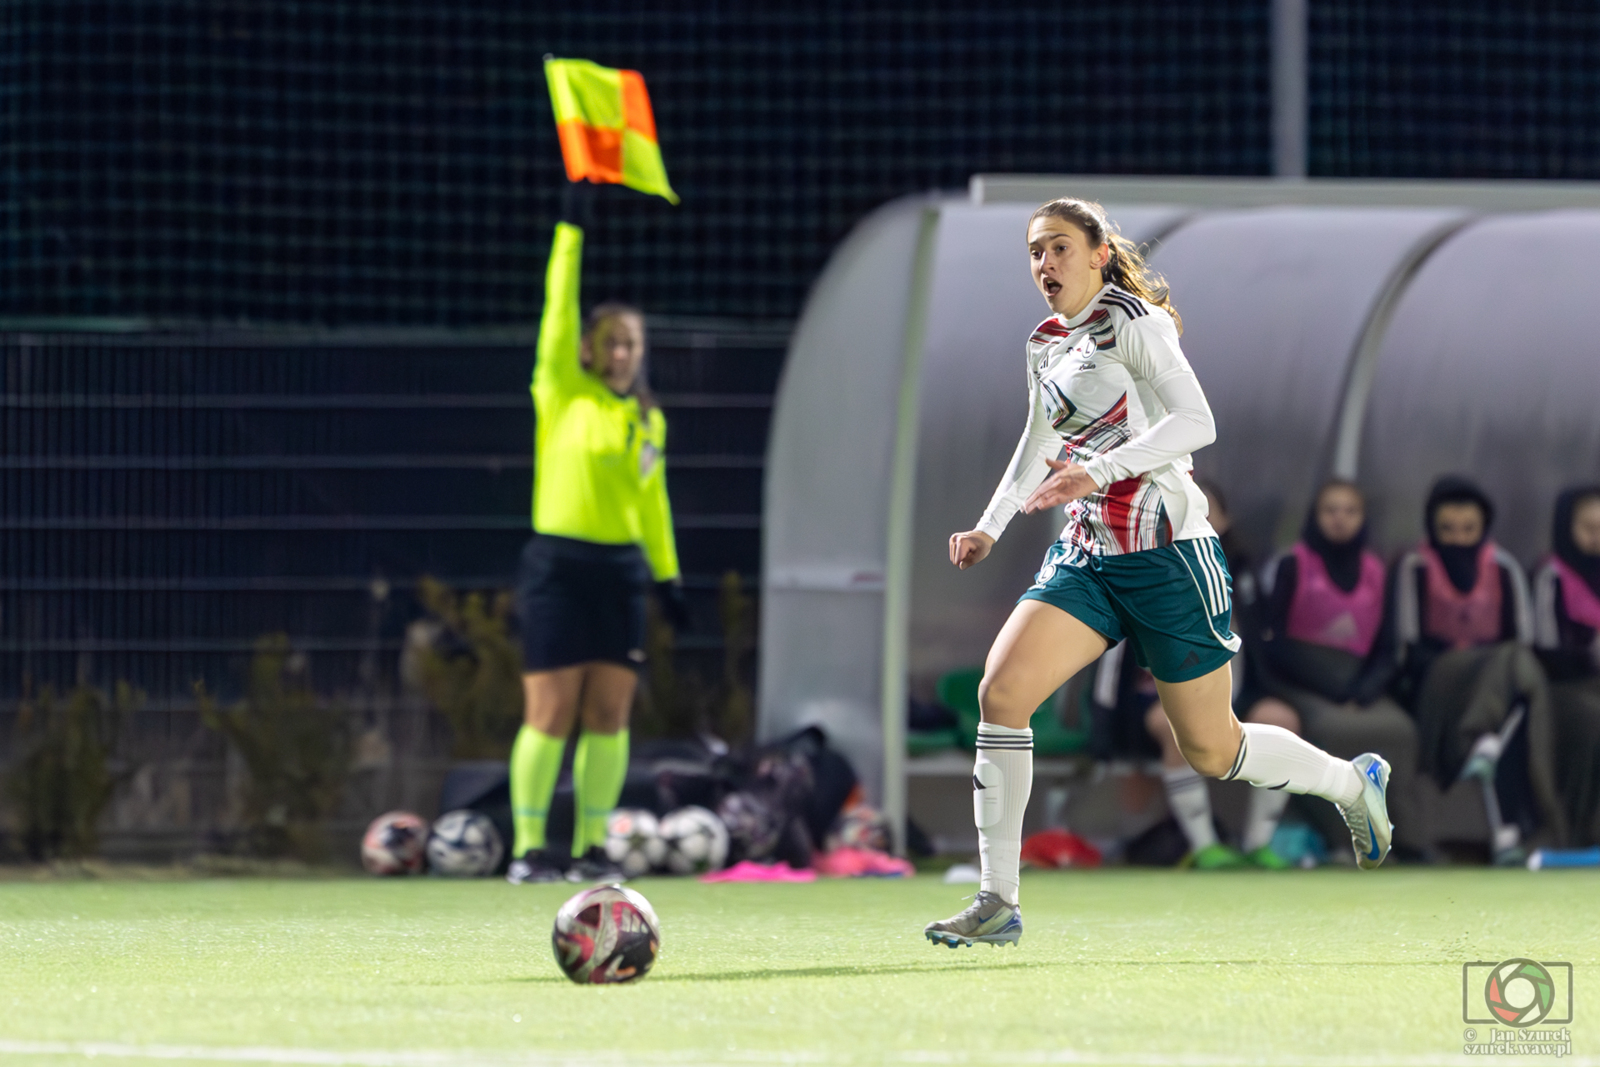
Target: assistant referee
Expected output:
[602,534]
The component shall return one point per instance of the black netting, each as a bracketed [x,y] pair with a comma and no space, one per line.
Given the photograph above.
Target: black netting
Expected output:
[1454,89]
[167,499]
[394,161]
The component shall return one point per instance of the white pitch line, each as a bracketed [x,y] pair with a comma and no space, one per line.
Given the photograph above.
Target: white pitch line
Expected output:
[308,1057]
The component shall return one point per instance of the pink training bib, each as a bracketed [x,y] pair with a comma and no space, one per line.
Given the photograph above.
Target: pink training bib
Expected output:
[1580,601]
[1323,614]
[1463,620]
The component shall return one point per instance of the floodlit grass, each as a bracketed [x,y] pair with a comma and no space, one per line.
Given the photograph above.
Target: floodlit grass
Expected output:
[1115,967]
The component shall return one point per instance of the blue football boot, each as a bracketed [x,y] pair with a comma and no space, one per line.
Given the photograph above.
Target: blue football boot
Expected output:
[1368,818]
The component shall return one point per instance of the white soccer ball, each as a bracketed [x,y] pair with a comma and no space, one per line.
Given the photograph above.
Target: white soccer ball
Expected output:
[464,844]
[633,841]
[695,839]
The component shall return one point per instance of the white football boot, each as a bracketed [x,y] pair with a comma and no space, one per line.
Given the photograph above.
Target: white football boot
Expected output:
[1368,818]
[988,919]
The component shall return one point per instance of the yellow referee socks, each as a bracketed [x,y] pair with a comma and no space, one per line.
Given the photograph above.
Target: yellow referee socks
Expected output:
[535,765]
[598,769]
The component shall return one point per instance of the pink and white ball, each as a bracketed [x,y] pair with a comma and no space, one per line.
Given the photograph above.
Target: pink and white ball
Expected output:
[396,842]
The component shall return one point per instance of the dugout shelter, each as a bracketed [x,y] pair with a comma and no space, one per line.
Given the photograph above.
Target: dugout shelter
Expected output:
[1385,331]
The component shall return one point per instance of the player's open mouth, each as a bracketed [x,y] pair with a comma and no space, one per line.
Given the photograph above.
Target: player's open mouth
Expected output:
[1051,287]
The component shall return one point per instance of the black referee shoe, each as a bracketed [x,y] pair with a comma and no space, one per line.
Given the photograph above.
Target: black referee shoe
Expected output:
[595,866]
[535,866]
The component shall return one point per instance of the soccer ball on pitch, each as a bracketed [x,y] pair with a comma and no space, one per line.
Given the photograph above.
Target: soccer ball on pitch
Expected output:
[606,935]
[633,841]
[695,841]
[464,844]
[395,843]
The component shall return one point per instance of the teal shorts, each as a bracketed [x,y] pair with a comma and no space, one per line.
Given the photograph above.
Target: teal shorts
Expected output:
[1173,604]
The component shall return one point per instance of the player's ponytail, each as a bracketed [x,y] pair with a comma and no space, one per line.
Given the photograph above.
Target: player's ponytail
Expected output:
[1126,268]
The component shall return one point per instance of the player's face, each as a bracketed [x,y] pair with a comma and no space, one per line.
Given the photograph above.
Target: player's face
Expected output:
[615,349]
[1458,524]
[1586,526]
[1340,514]
[1065,268]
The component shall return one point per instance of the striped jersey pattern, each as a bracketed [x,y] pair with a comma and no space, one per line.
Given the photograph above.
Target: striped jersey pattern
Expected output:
[1095,407]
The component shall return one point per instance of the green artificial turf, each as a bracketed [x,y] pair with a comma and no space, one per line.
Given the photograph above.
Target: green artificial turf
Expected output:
[1332,966]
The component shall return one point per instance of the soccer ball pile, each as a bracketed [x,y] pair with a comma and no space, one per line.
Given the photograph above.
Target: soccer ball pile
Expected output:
[690,840]
[459,844]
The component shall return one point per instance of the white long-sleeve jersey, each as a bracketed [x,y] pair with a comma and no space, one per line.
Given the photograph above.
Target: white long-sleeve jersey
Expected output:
[1113,388]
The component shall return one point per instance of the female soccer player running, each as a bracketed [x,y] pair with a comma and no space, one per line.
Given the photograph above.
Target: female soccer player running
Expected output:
[602,531]
[1136,559]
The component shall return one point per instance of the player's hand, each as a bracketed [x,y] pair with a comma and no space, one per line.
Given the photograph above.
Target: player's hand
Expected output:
[674,606]
[969,548]
[1068,481]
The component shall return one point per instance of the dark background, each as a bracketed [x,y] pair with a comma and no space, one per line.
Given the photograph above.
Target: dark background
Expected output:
[193,179]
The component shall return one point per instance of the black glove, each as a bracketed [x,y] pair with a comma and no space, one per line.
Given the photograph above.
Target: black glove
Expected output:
[577,204]
[674,605]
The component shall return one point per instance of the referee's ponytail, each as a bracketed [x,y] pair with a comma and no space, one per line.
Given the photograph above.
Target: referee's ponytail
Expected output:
[1126,267]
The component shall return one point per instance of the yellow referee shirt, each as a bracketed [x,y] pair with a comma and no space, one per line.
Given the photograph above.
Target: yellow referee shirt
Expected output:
[598,469]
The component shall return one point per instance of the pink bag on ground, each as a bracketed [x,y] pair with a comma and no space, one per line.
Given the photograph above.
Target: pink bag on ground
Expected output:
[751,871]
[848,862]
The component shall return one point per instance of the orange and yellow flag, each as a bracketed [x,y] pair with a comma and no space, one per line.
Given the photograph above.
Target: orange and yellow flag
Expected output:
[608,133]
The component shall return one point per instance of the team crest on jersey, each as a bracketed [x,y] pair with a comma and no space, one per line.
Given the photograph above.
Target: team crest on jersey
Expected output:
[648,454]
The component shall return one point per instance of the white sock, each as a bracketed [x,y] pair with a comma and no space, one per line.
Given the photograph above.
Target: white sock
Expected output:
[1261,817]
[1272,757]
[1002,778]
[1190,804]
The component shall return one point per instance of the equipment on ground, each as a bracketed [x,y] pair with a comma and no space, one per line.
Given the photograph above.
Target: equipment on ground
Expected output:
[606,935]
[464,844]
[695,841]
[633,841]
[395,843]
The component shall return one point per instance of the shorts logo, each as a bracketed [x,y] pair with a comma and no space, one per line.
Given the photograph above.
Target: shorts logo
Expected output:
[1047,572]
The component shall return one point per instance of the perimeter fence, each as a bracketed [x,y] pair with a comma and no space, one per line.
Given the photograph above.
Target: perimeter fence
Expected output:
[168,499]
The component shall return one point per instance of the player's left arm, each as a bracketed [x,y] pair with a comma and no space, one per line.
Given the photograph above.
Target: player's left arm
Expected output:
[1149,349]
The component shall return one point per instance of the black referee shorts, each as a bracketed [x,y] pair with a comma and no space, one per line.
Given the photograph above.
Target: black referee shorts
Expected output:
[581,602]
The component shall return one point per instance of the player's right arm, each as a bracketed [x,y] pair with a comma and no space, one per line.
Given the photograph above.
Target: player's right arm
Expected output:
[556,367]
[1028,467]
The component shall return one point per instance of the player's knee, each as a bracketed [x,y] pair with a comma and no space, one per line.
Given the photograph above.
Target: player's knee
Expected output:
[1000,701]
[1273,712]
[1209,758]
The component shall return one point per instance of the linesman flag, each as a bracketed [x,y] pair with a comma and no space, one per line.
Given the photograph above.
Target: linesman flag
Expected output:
[608,133]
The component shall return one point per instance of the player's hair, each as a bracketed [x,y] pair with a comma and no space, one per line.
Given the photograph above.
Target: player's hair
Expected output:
[611,309]
[1126,269]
